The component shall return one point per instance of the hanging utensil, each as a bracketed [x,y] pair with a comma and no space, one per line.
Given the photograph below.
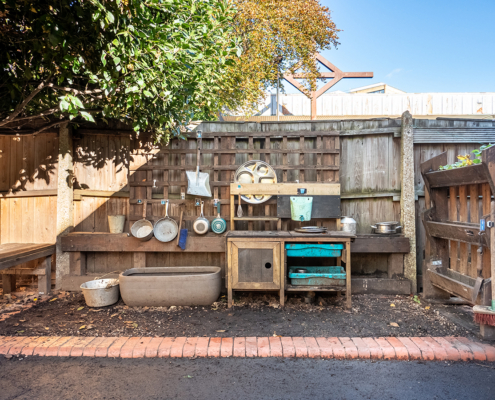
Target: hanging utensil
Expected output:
[218,225]
[239,208]
[201,224]
[180,225]
[198,183]
[166,228]
[142,229]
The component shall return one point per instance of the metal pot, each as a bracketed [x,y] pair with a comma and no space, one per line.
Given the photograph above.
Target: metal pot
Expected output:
[142,229]
[201,224]
[386,228]
[348,225]
[165,229]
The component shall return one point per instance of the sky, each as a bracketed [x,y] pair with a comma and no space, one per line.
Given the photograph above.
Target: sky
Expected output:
[417,46]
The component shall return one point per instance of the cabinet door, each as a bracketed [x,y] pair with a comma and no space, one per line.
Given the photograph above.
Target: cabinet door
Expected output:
[255,265]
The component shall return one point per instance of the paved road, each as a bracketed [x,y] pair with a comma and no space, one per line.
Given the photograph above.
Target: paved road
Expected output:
[270,378]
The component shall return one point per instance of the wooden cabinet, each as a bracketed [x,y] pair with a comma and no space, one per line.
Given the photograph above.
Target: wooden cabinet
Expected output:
[254,265]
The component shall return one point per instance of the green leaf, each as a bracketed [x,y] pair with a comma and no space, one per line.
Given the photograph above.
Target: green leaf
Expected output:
[87,116]
[76,101]
[147,93]
[110,17]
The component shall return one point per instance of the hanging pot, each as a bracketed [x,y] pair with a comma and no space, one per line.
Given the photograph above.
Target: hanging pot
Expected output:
[201,225]
[166,228]
[142,229]
[218,225]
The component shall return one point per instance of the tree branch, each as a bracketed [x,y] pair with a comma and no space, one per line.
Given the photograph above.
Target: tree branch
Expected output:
[23,105]
[44,113]
[48,126]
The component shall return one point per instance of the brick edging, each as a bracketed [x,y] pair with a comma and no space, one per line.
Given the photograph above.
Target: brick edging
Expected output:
[385,348]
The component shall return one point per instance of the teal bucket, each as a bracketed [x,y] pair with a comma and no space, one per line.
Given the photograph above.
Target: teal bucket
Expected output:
[300,208]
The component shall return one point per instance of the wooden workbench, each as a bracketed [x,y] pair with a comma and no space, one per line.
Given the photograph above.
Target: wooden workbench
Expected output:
[265,240]
[13,254]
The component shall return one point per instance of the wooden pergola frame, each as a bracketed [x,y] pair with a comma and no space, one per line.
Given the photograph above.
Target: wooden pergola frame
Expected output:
[336,74]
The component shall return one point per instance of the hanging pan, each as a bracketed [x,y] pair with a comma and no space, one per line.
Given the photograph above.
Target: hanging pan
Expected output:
[201,225]
[218,225]
[198,183]
[142,229]
[166,228]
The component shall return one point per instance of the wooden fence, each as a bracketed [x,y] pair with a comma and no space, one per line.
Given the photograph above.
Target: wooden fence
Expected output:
[108,169]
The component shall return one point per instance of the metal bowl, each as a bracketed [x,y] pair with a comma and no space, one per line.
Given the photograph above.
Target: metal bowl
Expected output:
[386,228]
[255,171]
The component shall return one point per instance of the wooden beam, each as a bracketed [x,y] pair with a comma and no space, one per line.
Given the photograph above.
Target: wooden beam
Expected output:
[380,244]
[120,242]
[29,193]
[21,258]
[470,175]
[313,189]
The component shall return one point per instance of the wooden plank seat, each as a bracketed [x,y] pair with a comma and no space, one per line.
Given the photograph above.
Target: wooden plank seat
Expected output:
[14,254]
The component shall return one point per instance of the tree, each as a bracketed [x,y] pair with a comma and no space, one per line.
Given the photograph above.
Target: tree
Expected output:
[294,30]
[154,64]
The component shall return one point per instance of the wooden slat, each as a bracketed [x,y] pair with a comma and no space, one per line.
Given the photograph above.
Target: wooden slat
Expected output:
[23,257]
[474,218]
[233,167]
[463,217]
[454,245]
[486,207]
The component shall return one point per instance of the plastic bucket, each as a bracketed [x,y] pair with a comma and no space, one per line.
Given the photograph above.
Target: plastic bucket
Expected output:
[300,208]
[101,292]
[116,223]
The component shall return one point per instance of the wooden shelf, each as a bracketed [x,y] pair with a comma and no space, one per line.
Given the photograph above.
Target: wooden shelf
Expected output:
[302,288]
[256,219]
[458,231]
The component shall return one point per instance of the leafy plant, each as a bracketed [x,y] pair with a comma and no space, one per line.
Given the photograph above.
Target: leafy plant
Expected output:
[153,64]
[466,160]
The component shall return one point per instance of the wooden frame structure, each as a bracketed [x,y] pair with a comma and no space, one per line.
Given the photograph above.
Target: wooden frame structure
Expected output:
[336,74]
[459,198]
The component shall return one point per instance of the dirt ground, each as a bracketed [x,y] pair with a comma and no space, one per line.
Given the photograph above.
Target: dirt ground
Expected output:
[255,314]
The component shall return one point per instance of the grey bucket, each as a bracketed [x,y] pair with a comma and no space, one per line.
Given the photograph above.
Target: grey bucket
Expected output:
[101,292]
[116,223]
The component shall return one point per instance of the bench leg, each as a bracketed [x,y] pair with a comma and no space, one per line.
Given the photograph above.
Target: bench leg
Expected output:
[8,283]
[45,281]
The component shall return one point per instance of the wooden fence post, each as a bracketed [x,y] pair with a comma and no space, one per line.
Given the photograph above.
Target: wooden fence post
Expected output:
[407,197]
[65,195]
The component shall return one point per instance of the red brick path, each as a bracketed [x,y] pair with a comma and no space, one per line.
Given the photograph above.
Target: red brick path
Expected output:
[389,348]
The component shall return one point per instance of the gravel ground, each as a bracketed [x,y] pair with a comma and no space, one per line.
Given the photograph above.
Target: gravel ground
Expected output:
[255,314]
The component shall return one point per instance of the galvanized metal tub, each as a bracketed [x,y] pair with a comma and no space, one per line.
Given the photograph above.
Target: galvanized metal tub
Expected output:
[101,292]
[170,286]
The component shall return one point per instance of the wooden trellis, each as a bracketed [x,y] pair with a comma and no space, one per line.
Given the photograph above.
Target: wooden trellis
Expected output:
[157,173]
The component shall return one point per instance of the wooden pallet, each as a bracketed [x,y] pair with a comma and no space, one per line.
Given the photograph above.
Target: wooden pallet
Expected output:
[459,199]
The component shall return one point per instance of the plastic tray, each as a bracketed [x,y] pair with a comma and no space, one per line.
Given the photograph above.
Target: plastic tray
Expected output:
[313,250]
[318,276]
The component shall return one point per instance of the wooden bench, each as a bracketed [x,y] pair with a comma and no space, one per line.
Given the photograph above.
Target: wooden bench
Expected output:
[15,254]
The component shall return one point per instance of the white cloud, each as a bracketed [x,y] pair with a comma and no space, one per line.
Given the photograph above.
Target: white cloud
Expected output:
[394,72]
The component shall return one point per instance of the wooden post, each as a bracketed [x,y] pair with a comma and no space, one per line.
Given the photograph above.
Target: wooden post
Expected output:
[77,263]
[45,281]
[407,198]
[65,197]
[8,283]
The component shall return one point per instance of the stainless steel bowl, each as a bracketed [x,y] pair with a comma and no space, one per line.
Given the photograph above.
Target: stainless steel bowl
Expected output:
[386,228]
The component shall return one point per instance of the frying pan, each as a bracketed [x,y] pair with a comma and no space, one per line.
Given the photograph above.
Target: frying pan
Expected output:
[201,225]
[142,229]
[218,225]
[166,228]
